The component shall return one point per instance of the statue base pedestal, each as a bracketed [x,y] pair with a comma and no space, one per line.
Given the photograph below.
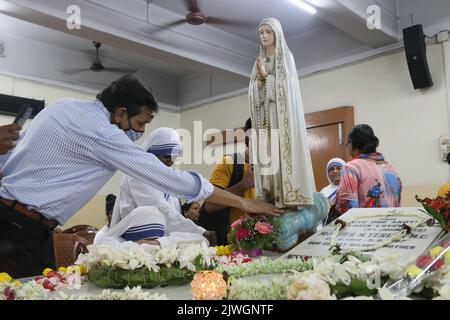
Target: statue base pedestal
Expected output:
[295,223]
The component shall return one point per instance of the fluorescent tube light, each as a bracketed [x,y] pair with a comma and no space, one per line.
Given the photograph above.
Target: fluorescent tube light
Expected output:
[304,6]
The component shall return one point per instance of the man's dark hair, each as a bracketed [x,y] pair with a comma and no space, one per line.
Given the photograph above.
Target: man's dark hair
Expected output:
[363,138]
[248,124]
[110,201]
[130,93]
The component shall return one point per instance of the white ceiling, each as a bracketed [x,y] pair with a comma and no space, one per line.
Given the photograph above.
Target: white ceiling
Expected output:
[216,59]
[60,39]
[294,20]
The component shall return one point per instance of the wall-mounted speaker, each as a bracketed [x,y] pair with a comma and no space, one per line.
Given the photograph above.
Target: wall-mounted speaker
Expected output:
[416,55]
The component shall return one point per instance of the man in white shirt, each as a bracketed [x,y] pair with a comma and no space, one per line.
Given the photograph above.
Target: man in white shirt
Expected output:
[71,149]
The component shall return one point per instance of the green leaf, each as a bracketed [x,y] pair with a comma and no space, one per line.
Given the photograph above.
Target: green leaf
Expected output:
[356,288]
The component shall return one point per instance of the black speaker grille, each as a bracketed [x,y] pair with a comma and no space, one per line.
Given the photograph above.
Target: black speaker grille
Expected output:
[416,56]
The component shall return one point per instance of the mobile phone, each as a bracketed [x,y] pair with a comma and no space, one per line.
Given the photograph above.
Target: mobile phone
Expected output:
[24,113]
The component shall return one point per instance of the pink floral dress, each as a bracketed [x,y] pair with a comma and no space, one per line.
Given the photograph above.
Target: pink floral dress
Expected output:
[368,182]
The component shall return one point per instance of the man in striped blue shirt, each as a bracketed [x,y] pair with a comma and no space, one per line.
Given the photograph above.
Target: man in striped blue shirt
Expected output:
[71,149]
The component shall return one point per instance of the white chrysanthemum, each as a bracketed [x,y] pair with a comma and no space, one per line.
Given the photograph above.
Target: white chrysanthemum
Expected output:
[444,293]
[135,293]
[391,264]
[386,294]
[308,286]
[326,271]
[31,291]
[358,298]
[167,255]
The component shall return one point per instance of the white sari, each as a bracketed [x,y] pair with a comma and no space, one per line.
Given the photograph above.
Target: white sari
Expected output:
[141,210]
[288,179]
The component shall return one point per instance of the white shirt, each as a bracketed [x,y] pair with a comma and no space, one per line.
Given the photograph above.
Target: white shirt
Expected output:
[71,150]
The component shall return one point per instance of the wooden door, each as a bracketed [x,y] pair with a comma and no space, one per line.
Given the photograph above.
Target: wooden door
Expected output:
[327,135]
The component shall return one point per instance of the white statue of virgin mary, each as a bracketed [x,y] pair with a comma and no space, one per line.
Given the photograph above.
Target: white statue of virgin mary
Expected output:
[283,169]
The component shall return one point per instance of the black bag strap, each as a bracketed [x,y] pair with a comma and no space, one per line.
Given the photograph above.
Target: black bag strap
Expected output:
[238,171]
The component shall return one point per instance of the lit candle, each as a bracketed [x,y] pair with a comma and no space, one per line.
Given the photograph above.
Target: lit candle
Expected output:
[208,285]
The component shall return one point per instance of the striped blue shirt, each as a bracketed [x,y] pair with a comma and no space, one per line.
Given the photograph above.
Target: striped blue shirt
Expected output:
[71,150]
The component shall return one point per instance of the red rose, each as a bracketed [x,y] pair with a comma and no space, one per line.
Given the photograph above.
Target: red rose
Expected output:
[423,261]
[243,233]
[437,265]
[9,293]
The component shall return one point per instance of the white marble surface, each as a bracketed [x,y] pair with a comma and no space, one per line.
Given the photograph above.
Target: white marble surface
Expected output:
[373,231]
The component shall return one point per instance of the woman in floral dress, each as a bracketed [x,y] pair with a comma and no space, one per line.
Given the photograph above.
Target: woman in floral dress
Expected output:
[368,181]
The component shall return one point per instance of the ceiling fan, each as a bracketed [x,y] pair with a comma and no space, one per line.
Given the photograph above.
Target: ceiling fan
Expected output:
[196,17]
[97,65]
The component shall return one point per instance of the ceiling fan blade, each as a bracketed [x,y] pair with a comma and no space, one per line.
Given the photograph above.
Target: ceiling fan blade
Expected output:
[232,22]
[121,70]
[172,24]
[159,28]
[74,71]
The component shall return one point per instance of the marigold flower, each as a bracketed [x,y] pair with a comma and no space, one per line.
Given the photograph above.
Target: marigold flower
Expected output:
[4,277]
[46,271]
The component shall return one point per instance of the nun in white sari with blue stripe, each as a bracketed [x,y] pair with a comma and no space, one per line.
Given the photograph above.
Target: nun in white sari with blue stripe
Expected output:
[144,212]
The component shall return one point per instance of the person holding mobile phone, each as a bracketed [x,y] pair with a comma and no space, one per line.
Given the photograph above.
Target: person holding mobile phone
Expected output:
[8,137]
[9,134]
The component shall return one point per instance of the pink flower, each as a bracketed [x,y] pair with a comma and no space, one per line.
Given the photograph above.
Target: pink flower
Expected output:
[263,227]
[236,223]
[243,233]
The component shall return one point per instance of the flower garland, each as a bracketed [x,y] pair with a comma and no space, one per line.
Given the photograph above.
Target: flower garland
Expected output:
[340,224]
[265,265]
[274,289]
[132,256]
[130,264]
[235,259]
[342,276]
[135,293]
[18,291]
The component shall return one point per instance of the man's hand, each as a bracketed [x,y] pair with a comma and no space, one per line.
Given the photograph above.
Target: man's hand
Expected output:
[8,135]
[260,207]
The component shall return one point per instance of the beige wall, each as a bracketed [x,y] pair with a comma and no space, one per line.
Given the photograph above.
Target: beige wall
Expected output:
[408,122]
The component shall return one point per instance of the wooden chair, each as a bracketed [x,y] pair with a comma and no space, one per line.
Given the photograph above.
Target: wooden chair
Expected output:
[88,235]
[80,227]
[67,247]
